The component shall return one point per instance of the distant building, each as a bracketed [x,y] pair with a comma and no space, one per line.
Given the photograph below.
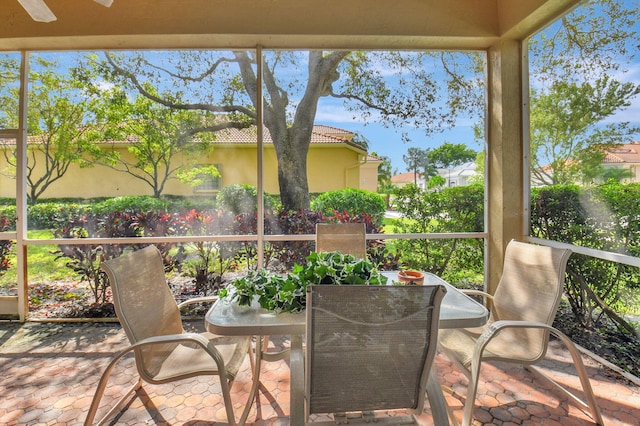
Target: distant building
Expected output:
[455,176]
[408,178]
[625,157]
[459,175]
[334,162]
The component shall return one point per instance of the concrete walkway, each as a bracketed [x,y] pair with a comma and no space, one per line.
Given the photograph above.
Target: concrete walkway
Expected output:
[50,372]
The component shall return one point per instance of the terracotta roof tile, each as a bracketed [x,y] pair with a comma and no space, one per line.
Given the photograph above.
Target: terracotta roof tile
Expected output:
[628,153]
[404,178]
[321,134]
[625,153]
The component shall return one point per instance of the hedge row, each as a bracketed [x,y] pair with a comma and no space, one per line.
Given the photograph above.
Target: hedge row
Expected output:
[235,199]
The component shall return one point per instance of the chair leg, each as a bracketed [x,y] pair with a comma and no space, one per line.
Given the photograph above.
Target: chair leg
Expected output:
[472,390]
[251,356]
[590,403]
[256,362]
[439,407]
[225,386]
[102,384]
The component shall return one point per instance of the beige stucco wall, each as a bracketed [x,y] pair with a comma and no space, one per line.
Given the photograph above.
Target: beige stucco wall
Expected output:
[329,168]
[369,176]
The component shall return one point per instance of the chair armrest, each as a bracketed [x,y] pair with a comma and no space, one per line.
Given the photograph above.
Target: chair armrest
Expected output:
[470,292]
[498,326]
[168,338]
[173,338]
[196,338]
[491,331]
[487,298]
[194,300]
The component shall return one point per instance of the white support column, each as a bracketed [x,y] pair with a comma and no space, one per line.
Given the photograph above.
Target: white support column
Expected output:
[260,165]
[505,151]
[21,189]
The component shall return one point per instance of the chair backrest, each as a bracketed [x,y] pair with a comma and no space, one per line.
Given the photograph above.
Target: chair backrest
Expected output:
[143,302]
[347,238]
[530,290]
[369,347]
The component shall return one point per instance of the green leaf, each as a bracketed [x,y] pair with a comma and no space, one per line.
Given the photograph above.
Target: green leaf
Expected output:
[288,293]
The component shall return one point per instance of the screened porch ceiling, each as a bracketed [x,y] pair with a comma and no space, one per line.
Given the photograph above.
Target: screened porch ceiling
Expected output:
[405,24]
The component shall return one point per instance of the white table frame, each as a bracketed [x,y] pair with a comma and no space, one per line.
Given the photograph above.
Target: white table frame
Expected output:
[456,311]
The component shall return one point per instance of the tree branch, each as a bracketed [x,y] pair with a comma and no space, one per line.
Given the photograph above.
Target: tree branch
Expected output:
[192,107]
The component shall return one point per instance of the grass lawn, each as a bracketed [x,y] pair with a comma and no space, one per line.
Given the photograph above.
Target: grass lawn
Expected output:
[42,264]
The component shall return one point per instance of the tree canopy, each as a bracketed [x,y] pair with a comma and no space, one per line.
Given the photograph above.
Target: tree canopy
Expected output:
[577,68]
[567,131]
[58,122]
[417,159]
[225,83]
[451,155]
[161,140]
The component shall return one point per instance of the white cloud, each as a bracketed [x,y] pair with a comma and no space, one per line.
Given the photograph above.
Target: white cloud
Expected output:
[631,113]
[338,114]
[104,85]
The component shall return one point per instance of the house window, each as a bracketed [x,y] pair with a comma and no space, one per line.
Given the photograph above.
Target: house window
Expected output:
[210,183]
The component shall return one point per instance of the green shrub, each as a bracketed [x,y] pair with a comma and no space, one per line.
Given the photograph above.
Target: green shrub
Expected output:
[604,217]
[456,209]
[241,198]
[5,245]
[352,201]
[180,203]
[9,212]
[133,203]
[52,215]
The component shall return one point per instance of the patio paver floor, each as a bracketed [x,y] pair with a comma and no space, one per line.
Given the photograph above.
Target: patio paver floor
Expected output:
[50,372]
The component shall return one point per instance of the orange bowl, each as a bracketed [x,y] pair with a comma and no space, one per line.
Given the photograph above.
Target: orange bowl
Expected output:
[411,277]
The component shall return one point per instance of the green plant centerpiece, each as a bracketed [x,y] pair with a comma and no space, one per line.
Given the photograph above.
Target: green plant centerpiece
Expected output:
[288,292]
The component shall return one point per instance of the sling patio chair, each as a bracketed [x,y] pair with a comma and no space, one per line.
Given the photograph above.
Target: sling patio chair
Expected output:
[369,348]
[522,312]
[347,238]
[163,351]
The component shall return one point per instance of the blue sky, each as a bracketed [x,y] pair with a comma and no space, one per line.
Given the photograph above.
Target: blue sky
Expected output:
[388,141]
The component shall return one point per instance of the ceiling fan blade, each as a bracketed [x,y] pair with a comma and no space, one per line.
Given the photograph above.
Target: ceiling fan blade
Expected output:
[105,3]
[38,10]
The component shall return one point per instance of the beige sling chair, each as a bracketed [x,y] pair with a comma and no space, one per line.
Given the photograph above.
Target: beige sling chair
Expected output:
[369,348]
[347,238]
[522,312]
[163,351]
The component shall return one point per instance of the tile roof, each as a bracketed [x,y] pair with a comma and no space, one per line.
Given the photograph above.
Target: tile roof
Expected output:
[321,135]
[627,153]
[404,177]
[624,153]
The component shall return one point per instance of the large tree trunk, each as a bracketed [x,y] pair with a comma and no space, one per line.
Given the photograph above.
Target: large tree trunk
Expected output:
[292,142]
[291,150]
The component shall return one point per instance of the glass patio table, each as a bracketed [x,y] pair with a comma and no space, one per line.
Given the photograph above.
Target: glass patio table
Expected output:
[225,318]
